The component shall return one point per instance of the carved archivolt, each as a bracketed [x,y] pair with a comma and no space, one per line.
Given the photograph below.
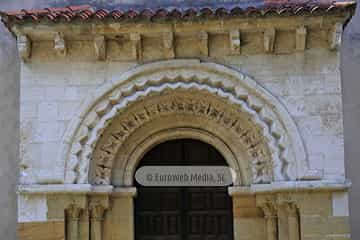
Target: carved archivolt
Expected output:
[213,92]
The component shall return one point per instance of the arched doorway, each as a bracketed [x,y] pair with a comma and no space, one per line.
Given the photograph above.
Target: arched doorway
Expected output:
[188,213]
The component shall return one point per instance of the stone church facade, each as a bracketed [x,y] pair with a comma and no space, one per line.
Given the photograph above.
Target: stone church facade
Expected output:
[261,85]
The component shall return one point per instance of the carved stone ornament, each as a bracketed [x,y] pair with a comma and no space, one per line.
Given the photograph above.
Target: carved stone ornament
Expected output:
[269,40]
[24,47]
[60,44]
[336,36]
[232,101]
[100,47]
[235,42]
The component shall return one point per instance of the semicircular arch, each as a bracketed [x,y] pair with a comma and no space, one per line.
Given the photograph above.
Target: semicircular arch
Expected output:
[227,87]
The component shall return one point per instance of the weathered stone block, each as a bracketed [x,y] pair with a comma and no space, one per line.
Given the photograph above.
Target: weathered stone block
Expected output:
[52,230]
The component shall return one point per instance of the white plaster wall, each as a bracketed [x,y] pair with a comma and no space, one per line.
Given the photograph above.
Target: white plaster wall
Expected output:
[32,208]
[307,83]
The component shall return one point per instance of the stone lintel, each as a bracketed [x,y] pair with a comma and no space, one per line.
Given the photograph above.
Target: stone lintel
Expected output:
[292,186]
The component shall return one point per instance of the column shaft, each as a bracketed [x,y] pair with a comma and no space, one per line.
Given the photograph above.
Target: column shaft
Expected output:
[97,213]
[271,227]
[73,214]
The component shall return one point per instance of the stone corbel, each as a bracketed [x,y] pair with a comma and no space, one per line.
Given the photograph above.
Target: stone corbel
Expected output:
[24,47]
[204,43]
[135,39]
[235,42]
[301,33]
[168,39]
[100,47]
[336,36]
[60,44]
[269,40]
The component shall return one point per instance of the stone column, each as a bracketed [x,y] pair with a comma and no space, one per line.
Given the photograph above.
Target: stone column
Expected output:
[96,218]
[84,225]
[293,221]
[73,215]
[123,214]
[248,218]
[270,213]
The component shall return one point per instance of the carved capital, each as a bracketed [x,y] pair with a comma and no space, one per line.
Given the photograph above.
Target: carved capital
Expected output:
[269,205]
[270,210]
[24,47]
[97,212]
[291,209]
[73,212]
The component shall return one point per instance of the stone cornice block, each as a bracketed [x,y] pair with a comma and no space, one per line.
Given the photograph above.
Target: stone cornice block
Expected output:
[168,43]
[269,40]
[235,42]
[336,36]
[135,38]
[60,44]
[301,33]
[204,43]
[100,47]
[24,47]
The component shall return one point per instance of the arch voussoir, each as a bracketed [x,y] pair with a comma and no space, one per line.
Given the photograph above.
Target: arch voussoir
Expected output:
[269,118]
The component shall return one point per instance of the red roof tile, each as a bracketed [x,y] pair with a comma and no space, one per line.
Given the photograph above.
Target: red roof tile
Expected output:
[269,7]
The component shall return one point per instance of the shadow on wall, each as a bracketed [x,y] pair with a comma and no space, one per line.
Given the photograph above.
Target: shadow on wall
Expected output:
[350,65]
[9,131]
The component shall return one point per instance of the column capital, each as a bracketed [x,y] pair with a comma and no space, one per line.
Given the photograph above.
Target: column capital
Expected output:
[268,204]
[291,208]
[97,212]
[73,212]
[269,209]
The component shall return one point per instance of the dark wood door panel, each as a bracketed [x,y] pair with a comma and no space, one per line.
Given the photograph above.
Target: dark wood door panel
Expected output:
[193,213]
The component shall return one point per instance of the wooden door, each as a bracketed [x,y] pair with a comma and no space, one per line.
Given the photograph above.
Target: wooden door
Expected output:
[188,213]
